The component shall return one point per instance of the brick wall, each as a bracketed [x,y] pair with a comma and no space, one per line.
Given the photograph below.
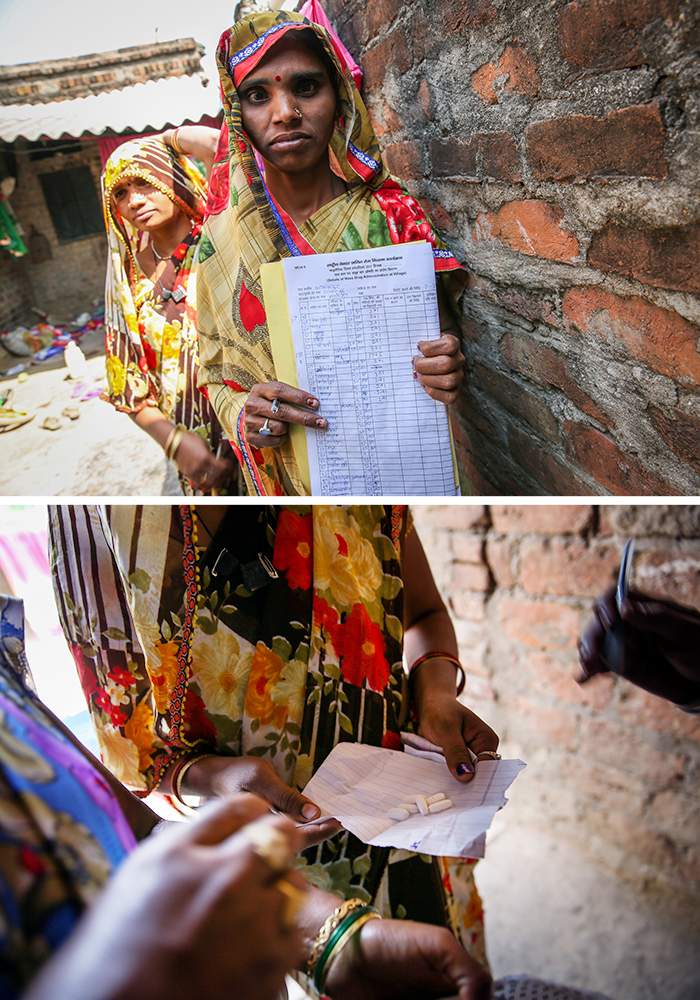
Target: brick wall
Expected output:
[558,146]
[15,293]
[69,282]
[611,769]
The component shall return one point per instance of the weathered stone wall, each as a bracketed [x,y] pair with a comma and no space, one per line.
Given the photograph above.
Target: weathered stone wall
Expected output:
[611,769]
[558,145]
[66,283]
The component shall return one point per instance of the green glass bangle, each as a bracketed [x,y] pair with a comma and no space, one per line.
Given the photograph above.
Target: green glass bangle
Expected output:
[343,926]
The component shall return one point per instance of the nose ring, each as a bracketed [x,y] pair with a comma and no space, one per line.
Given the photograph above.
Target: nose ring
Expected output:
[298,113]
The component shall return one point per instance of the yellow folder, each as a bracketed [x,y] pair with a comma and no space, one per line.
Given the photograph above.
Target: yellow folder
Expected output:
[282,344]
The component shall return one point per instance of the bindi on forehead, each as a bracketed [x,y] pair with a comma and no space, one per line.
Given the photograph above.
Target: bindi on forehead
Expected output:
[278,78]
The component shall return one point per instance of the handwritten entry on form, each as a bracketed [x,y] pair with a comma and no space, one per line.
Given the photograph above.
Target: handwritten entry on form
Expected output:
[356,320]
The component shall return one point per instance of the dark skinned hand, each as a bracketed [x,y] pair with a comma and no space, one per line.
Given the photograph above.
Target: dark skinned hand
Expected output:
[224,776]
[295,407]
[200,465]
[407,961]
[660,645]
[440,367]
[193,912]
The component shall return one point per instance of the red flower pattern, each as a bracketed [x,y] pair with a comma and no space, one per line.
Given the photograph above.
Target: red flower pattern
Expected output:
[327,618]
[360,644]
[217,198]
[86,672]
[293,548]
[122,676]
[392,741]
[197,724]
[117,715]
[251,309]
[404,215]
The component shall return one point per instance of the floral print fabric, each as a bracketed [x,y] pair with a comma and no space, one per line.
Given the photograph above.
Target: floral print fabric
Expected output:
[151,334]
[200,664]
[61,831]
[244,228]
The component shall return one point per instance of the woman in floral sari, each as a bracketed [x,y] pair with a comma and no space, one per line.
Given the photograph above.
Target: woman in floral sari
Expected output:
[299,172]
[250,641]
[153,200]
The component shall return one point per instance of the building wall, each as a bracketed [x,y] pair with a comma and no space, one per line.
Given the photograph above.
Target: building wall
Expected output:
[61,79]
[15,292]
[68,283]
[612,770]
[558,146]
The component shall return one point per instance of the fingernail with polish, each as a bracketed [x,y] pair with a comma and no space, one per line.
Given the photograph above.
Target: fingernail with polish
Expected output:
[322,423]
[464,768]
[310,811]
[312,402]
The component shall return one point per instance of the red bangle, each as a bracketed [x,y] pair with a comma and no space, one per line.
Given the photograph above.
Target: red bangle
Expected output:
[437,655]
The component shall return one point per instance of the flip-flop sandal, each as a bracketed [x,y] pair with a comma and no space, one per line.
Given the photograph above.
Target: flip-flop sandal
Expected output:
[11,419]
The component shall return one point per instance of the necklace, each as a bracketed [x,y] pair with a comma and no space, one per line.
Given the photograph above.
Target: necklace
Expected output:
[156,254]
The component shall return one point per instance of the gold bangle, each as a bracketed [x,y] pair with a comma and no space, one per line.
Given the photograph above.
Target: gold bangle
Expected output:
[175,143]
[350,933]
[173,443]
[179,777]
[169,440]
[327,928]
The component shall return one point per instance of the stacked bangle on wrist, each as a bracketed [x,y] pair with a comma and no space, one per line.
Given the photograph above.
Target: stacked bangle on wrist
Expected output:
[173,442]
[175,142]
[179,772]
[440,655]
[336,931]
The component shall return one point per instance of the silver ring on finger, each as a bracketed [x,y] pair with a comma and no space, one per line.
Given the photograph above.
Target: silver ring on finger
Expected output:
[275,405]
[266,430]
[489,754]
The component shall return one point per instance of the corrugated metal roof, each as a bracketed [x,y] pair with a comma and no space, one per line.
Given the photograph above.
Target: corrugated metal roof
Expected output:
[154,105]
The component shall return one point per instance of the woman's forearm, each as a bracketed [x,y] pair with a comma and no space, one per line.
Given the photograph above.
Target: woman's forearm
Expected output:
[428,627]
[197,141]
[154,423]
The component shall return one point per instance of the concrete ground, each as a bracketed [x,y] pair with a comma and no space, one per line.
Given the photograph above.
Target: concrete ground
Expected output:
[553,913]
[100,453]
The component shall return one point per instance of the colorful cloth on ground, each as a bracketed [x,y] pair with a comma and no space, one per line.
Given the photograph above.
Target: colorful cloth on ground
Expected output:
[61,830]
[245,228]
[174,665]
[151,338]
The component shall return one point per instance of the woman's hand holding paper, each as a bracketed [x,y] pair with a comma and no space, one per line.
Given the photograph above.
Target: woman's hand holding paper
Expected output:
[453,727]
[440,368]
[224,776]
[275,405]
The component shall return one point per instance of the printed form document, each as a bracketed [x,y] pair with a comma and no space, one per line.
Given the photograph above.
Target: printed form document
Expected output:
[357,784]
[355,320]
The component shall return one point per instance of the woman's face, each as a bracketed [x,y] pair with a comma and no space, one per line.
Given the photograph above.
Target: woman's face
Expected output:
[143,205]
[287,79]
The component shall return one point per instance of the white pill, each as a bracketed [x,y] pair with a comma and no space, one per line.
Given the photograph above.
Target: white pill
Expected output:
[410,807]
[422,804]
[438,797]
[438,807]
[398,814]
